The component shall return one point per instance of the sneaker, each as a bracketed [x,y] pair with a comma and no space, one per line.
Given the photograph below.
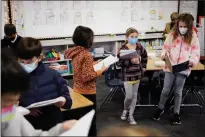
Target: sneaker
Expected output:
[132,120]
[176,119]
[158,114]
[124,115]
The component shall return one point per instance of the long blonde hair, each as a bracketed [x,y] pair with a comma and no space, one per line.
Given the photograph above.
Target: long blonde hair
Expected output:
[128,32]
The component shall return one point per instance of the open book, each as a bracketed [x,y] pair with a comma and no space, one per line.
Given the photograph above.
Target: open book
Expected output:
[45,103]
[22,110]
[128,54]
[82,127]
[106,62]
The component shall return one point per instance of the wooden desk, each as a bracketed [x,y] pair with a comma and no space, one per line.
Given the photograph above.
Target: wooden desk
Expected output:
[79,101]
[151,65]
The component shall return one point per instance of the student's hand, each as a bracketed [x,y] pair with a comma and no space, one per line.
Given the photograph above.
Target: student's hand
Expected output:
[96,62]
[135,60]
[61,103]
[144,69]
[191,64]
[35,112]
[67,125]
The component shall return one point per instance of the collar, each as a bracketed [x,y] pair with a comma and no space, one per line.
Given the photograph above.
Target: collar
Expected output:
[15,38]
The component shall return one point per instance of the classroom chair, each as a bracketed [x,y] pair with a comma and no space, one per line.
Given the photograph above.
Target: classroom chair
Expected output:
[112,81]
[191,86]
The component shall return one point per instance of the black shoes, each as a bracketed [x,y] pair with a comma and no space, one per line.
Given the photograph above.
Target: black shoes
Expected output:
[176,119]
[158,114]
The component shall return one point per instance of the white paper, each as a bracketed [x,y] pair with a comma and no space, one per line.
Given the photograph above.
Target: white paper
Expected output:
[77,18]
[65,17]
[89,4]
[51,17]
[153,14]
[128,54]
[50,5]
[90,19]
[45,103]
[125,16]
[36,5]
[77,5]
[82,127]
[66,5]
[159,63]
[134,15]
[22,110]
[106,62]
[37,18]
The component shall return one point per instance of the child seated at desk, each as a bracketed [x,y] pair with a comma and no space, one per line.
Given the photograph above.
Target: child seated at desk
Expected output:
[46,84]
[14,82]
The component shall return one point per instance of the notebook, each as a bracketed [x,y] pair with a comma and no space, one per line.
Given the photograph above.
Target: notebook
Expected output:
[180,67]
[106,62]
[128,54]
[82,127]
[45,103]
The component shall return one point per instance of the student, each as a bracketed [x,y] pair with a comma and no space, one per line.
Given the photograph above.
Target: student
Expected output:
[84,75]
[11,38]
[15,81]
[181,45]
[46,84]
[132,72]
[170,26]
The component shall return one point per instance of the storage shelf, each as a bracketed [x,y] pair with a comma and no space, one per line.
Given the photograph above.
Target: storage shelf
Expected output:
[54,61]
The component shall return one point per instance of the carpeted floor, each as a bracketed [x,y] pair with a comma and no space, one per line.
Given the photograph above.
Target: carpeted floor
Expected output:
[193,124]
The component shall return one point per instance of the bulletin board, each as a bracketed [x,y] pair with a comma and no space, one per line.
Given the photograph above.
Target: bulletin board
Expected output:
[54,19]
[4,16]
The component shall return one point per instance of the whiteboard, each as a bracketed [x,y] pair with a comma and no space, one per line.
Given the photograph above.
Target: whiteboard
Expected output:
[189,7]
[49,19]
[2,18]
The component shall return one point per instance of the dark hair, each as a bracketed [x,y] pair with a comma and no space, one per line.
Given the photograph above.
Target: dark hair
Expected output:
[83,36]
[28,48]
[130,31]
[14,77]
[9,29]
[174,16]
[186,18]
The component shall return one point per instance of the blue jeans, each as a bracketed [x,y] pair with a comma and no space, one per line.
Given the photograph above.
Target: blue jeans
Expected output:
[178,86]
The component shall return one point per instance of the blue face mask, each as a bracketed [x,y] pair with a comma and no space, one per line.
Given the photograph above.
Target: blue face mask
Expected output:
[133,41]
[30,67]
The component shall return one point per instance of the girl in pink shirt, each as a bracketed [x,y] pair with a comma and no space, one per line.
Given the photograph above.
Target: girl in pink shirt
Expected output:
[180,46]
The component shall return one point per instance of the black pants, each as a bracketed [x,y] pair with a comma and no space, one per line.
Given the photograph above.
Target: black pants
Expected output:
[49,118]
[93,129]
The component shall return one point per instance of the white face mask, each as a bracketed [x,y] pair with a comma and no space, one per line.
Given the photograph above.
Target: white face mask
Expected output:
[30,67]
[183,30]
[7,114]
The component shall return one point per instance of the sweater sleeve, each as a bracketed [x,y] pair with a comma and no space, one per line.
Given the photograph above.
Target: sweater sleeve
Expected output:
[195,51]
[144,57]
[88,73]
[28,130]
[167,45]
[63,90]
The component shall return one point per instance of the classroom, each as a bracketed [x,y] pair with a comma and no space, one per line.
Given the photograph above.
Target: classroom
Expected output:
[102,68]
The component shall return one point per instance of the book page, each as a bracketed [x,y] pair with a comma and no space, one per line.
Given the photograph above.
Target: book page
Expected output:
[45,103]
[82,127]
[106,62]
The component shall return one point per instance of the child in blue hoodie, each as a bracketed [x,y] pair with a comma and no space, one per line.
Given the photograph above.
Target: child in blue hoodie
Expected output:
[46,84]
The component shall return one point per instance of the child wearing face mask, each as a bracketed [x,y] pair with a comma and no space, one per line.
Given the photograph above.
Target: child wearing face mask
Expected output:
[181,45]
[46,84]
[132,71]
[16,81]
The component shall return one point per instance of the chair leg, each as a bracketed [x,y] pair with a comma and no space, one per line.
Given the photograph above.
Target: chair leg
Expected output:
[111,90]
[113,93]
[185,95]
[123,91]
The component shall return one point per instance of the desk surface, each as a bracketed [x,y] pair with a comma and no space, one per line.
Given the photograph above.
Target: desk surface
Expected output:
[151,65]
[79,101]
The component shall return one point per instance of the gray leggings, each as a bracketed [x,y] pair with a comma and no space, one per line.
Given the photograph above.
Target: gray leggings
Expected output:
[178,87]
[131,97]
